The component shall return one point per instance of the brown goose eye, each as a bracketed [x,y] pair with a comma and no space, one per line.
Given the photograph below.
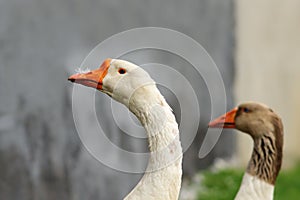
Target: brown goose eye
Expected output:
[246,110]
[122,71]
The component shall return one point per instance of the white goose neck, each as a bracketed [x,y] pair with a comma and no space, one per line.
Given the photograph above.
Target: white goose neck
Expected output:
[162,178]
[156,116]
[253,188]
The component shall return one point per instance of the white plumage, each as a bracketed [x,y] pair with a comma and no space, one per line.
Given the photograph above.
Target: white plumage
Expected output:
[130,85]
[253,188]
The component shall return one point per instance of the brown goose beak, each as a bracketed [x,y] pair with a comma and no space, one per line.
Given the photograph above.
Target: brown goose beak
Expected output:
[224,121]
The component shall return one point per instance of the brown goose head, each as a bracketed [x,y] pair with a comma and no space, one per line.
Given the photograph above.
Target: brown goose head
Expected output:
[253,118]
[266,129]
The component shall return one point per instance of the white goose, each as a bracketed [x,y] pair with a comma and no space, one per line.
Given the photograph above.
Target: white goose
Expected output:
[266,129]
[130,85]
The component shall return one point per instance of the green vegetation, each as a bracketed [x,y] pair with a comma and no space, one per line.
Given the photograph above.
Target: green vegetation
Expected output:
[288,184]
[224,184]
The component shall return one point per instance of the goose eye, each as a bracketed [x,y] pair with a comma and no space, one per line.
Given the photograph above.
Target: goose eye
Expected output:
[122,71]
[246,110]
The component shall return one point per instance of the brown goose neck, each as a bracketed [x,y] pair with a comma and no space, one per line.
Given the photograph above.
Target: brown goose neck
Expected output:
[266,157]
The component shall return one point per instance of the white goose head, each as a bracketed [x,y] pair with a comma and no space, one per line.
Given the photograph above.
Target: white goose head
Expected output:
[117,78]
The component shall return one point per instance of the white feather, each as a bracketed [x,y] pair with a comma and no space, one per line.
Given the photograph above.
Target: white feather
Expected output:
[253,188]
[82,71]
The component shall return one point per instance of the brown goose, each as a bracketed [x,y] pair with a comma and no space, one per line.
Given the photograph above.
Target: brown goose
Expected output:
[266,129]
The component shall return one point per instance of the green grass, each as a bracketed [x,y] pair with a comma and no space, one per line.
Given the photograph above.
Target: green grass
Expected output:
[288,184]
[224,184]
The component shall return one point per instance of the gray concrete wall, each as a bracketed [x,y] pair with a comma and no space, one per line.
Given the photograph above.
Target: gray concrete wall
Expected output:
[41,43]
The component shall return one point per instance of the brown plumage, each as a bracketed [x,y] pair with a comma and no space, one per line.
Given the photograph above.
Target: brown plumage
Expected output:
[266,129]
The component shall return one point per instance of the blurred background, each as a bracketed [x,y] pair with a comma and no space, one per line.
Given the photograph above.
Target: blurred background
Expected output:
[254,44]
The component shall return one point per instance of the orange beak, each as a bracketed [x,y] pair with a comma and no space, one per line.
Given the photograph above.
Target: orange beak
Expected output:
[224,121]
[93,78]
